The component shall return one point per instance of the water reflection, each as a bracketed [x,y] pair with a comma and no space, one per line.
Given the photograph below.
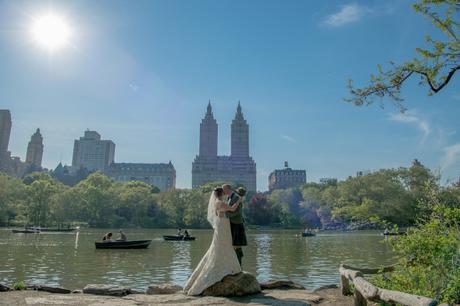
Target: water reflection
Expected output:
[180,265]
[263,257]
[72,260]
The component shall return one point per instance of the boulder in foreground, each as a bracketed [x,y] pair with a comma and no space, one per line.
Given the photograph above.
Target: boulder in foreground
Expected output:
[168,288]
[239,284]
[101,289]
[4,288]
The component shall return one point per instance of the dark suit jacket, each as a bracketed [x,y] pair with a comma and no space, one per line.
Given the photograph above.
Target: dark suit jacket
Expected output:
[235,217]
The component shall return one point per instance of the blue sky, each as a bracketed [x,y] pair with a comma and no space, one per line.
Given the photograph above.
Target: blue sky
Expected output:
[141,73]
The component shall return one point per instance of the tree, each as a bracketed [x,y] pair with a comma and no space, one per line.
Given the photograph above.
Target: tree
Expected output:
[136,204]
[435,65]
[12,200]
[429,262]
[258,210]
[97,200]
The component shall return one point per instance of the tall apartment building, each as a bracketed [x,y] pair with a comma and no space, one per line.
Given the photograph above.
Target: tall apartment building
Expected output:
[34,154]
[238,167]
[92,153]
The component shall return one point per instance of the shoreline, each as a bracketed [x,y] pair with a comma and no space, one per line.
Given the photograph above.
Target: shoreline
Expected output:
[249,227]
[323,297]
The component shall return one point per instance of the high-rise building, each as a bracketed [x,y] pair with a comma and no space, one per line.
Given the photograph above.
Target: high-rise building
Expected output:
[161,175]
[35,150]
[286,178]
[239,167]
[240,135]
[5,131]
[208,134]
[92,153]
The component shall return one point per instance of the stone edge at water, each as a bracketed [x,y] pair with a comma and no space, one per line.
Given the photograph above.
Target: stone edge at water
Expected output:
[280,284]
[4,288]
[110,290]
[167,288]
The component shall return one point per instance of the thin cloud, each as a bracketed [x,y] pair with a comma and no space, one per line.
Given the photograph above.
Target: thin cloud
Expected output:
[348,13]
[133,87]
[412,118]
[451,155]
[288,138]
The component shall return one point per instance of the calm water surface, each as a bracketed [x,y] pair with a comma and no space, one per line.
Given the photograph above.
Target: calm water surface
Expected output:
[71,260]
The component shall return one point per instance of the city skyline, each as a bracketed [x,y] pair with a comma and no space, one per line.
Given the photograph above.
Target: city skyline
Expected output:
[131,80]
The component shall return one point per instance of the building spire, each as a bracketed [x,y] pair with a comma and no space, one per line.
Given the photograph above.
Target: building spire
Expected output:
[209,109]
[239,113]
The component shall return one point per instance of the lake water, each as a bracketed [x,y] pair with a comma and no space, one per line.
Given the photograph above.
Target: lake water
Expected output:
[71,260]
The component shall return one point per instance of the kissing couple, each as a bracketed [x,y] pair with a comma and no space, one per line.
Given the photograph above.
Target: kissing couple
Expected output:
[224,256]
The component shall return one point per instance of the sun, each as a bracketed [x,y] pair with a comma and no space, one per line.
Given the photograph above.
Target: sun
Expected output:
[51,31]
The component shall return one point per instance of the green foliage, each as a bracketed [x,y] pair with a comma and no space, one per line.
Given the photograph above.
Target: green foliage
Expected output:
[379,199]
[430,254]
[20,285]
[436,64]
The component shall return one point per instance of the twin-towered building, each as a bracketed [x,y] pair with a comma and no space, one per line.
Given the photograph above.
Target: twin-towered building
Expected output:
[238,167]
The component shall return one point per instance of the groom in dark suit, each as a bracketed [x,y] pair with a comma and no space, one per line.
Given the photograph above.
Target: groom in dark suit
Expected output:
[236,222]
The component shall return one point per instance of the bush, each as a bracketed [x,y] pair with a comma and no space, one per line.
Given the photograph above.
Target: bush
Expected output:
[19,285]
[430,256]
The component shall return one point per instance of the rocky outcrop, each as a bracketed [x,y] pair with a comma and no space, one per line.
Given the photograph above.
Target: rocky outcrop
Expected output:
[168,288]
[4,288]
[112,290]
[53,289]
[239,284]
[324,287]
[328,297]
[280,284]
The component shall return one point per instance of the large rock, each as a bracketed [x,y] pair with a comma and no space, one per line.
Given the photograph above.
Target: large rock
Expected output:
[280,284]
[54,289]
[4,288]
[101,289]
[168,288]
[239,284]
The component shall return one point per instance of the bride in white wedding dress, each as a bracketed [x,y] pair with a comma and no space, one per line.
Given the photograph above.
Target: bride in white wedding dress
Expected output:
[220,260]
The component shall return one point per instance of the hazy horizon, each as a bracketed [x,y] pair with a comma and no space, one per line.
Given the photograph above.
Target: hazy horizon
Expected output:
[142,74]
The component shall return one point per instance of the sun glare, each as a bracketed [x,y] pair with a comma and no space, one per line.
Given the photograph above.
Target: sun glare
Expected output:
[51,31]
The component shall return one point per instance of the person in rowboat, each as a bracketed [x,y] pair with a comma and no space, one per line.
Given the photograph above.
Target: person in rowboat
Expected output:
[107,237]
[122,236]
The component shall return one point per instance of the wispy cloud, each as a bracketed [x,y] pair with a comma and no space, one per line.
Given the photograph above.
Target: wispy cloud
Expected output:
[288,138]
[348,13]
[133,87]
[414,119]
[451,155]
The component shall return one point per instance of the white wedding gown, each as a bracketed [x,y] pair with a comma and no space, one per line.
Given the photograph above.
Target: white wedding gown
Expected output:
[220,260]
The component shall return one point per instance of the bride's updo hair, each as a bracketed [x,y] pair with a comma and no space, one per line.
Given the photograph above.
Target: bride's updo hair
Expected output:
[218,192]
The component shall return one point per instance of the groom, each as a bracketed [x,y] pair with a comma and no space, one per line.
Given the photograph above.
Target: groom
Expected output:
[236,222]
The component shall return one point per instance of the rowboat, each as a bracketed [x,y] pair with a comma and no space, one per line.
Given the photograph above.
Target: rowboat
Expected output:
[308,234]
[393,234]
[178,238]
[52,229]
[26,231]
[131,244]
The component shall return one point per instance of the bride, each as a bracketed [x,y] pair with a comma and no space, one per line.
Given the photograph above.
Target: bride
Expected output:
[220,260]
